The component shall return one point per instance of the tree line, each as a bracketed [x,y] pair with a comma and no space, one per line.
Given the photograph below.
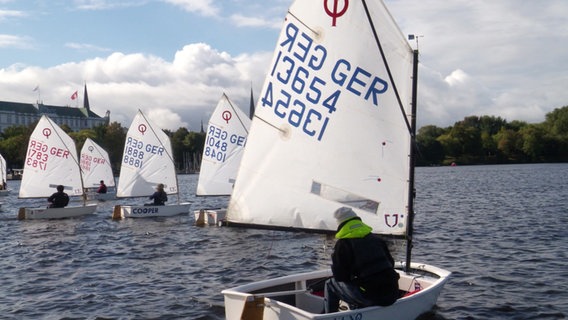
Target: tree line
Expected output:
[493,140]
[186,146]
[474,140]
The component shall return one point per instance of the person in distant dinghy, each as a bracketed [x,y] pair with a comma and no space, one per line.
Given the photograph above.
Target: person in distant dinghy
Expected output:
[102,187]
[160,196]
[362,266]
[59,199]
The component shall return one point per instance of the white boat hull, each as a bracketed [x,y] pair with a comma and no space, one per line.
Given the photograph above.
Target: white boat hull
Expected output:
[55,213]
[212,217]
[291,297]
[141,211]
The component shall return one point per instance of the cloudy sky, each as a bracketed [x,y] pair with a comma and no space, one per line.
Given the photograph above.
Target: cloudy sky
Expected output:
[173,59]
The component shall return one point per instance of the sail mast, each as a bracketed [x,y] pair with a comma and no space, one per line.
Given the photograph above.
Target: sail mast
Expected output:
[411,191]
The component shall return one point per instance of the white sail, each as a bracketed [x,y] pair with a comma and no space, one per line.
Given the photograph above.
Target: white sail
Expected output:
[328,127]
[225,141]
[3,168]
[95,165]
[51,160]
[147,160]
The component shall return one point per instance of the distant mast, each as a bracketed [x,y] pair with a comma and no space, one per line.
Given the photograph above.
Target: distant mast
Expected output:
[251,108]
[38,90]
[86,100]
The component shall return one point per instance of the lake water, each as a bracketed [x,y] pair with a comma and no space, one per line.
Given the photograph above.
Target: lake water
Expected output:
[501,230]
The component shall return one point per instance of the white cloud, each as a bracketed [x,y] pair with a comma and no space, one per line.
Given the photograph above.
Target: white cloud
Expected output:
[457,77]
[204,7]
[178,93]
[11,41]
[164,118]
[4,14]
[244,21]
[86,47]
[104,4]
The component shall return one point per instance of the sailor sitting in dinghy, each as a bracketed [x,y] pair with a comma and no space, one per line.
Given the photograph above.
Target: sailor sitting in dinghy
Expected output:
[160,196]
[362,266]
[59,199]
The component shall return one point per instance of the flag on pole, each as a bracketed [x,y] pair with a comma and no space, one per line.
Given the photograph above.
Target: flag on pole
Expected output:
[74,95]
[36,88]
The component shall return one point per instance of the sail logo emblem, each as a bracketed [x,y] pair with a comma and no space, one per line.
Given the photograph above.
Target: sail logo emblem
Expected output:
[226,116]
[335,12]
[46,132]
[91,149]
[394,219]
[142,128]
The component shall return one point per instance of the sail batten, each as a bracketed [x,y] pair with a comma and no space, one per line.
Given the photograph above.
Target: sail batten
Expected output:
[339,137]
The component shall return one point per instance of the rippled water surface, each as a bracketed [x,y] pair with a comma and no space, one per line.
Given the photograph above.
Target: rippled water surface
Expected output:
[501,230]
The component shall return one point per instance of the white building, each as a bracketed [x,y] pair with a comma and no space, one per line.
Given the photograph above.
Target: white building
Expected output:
[17,113]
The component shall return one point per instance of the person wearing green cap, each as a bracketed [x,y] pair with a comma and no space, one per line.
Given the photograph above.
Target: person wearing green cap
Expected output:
[362,266]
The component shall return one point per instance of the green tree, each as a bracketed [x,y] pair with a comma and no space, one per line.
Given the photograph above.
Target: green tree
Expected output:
[179,147]
[14,145]
[509,143]
[195,142]
[81,136]
[557,121]
[430,150]
[557,124]
[113,143]
[533,138]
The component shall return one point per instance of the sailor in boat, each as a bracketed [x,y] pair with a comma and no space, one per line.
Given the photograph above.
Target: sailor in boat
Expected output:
[59,199]
[102,187]
[362,266]
[160,196]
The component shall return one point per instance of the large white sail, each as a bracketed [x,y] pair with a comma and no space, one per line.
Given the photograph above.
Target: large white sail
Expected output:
[147,160]
[51,160]
[95,165]
[225,141]
[328,127]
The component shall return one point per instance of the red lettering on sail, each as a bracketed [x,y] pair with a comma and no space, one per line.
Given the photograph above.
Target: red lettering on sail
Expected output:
[335,14]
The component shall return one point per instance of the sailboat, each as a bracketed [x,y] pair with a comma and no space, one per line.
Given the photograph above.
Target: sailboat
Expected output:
[95,166]
[146,162]
[51,160]
[4,191]
[227,131]
[334,127]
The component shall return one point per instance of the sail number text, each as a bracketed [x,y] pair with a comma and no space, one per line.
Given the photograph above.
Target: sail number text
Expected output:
[300,92]
[220,142]
[135,151]
[39,153]
[87,160]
